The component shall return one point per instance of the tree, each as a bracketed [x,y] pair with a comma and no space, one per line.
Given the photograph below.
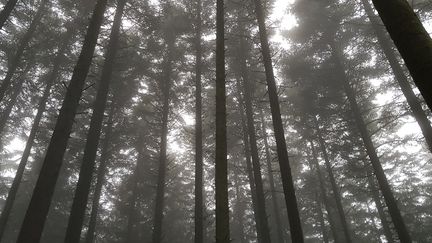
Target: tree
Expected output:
[287,180]
[37,211]
[6,11]
[411,39]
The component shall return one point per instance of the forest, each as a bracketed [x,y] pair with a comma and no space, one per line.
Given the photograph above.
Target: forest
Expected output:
[227,121]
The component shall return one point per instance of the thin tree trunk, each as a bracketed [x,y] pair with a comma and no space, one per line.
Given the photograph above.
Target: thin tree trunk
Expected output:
[248,161]
[22,46]
[76,218]
[276,216]
[221,160]
[100,177]
[320,214]
[263,230]
[35,127]
[413,102]
[199,203]
[377,200]
[6,12]
[160,191]
[37,211]
[411,39]
[333,183]
[132,217]
[384,185]
[324,198]
[287,179]
[239,209]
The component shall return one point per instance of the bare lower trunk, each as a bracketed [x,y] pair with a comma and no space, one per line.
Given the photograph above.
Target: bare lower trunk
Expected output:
[37,211]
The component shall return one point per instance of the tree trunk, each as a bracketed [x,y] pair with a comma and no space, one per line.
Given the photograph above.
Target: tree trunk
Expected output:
[413,102]
[6,12]
[287,180]
[239,209]
[199,203]
[160,191]
[37,211]
[314,162]
[320,214]
[100,177]
[263,230]
[23,44]
[221,161]
[76,218]
[247,153]
[278,222]
[333,183]
[35,127]
[389,198]
[411,39]
[377,200]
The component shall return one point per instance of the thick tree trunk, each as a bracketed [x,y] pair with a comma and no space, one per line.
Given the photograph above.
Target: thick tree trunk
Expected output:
[37,211]
[100,176]
[333,183]
[22,46]
[76,218]
[276,216]
[411,39]
[287,180]
[6,12]
[52,77]
[413,102]
[384,185]
[323,194]
[160,191]
[199,203]
[263,230]
[221,160]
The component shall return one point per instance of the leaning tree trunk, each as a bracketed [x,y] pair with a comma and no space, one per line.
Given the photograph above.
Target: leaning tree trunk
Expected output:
[160,191]
[411,39]
[384,185]
[6,12]
[37,211]
[199,203]
[333,183]
[221,160]
[22,46]
[276,216]
[76,218]
[263,229]
[100,176]
[287,179]
[52,77]
[413,102]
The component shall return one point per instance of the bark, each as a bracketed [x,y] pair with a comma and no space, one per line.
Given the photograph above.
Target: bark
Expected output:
[414,104]
[22,46]
[76,218]
[6,12]
[287,180]
[333,183]
[100,177]
[37,211]
[278,222]
[160,191]
[384,185]
[263,229]
[411,39]
[52,77]
[199,203]
[221,162]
